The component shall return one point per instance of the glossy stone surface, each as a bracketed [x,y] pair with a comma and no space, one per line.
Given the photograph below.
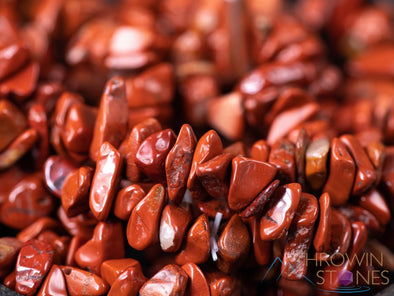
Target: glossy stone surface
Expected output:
[208,146]
[197,284]
[260,151]
[33,263]
[106,243]
[12,57]
[126,199]
[83,283]
[128,282]
[19,147]
[170,280]
[22,84]
[12,123]
[259,175]
[233,245]
[213,174]
[152,153]
[111,122]
[374,202]
[110,270]
[256,207]
[197,243]
[342,173]
[78,128]
[54,284]
[143,226]
[316,163]
[105,181]
[130,146]
[173,225]
[27,202]
[322,238]
[282,155]
[179,162]
[365,172]
[299,238]
[56,169]
[276,221]
[75,191]
[225,114]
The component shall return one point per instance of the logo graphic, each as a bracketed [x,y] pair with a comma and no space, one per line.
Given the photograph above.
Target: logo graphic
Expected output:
[345,278]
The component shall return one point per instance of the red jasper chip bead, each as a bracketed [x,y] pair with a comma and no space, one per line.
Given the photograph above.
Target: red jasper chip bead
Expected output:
[197,284]
[197,243]
[276,221]
[178,163]
[143,226]
[299,238]
[259,175]
[213,174]
[130,146]
[233,245]
[105,181]
[33,263]
[111,122]
[126,199]
[152,153]
[173,226]
[170,280]
[260,151]
[256,207]
[342,173]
